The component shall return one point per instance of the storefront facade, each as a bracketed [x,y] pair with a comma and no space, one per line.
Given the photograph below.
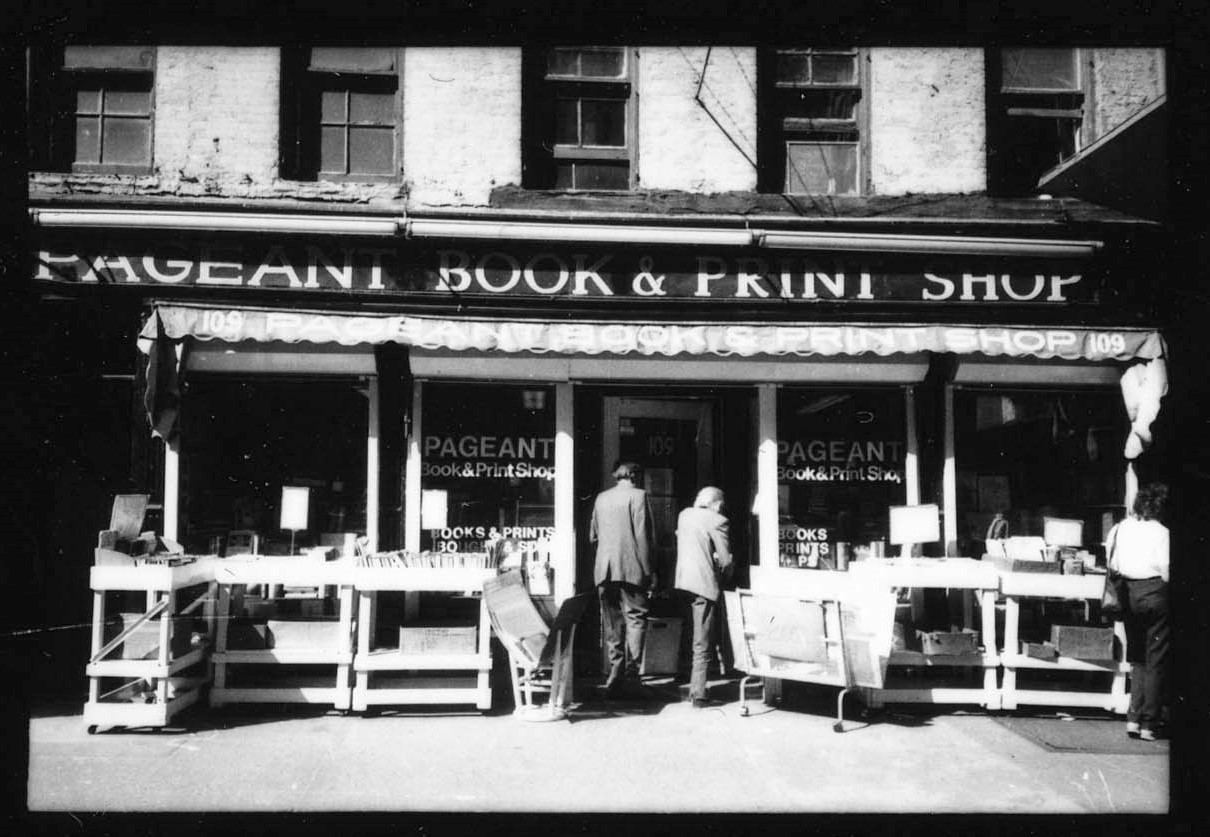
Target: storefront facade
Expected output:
[440,383]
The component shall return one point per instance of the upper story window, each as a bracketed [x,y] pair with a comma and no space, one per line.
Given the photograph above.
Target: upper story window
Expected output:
[1036,111]
[342,114]
[580,115]
[812,121]
[92,109]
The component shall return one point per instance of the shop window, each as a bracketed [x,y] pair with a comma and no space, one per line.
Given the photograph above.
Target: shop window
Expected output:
[342,114]
[243,440]
[1036,110]
[812,121]
[487,468]
[92,108]
[580,118]
[841,457]
[1029,455]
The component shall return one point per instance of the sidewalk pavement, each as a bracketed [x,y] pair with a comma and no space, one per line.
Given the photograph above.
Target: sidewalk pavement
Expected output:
[658,757]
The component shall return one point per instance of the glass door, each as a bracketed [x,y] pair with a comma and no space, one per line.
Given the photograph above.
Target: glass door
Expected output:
[673,439]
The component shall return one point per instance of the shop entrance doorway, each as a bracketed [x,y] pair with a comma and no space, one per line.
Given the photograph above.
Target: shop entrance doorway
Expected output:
[673,439]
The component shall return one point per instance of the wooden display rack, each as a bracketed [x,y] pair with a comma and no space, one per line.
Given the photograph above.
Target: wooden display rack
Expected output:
[289,571]
[369,581]
[978,583]
[169,694]
[1020,587]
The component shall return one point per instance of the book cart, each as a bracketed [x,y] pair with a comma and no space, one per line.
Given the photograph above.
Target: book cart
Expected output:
[1027,589]
[154,689]
[421,676]
[321,647]
[912,674]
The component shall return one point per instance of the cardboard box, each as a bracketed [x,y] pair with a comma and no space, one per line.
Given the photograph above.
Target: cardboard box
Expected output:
[1017,565]
[1040,651]
[1073,566]
[438,638]
[1082,642]
[965,641]
[662,647]
[304,633]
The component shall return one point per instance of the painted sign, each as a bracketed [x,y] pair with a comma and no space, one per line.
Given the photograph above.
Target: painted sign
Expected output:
[840,460]
[576,274]
[649,339]
[488,457]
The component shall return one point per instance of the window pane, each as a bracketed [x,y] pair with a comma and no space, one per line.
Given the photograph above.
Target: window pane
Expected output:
[108,57]
[1039,69]
[332,150]
[371,150]
[821,168]
[603,122]
[88,140]
[490,469]
[565,176]
[835,69]
[353,59]
[372,108]
[88,101]
[603,63]
[332,106]
[563,62]
[128,101]
[599,175]
[127,141]
[841,460]
[794,67]
[567,122]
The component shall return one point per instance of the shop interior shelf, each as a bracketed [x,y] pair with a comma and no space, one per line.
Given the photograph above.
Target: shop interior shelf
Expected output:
[392,660]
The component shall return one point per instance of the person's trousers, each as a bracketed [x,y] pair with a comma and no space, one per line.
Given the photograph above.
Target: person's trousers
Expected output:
[703,644]
[624,623]
[1148,637]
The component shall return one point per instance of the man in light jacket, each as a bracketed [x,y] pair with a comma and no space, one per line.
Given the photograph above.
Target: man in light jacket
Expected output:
[621,529]
[703,555]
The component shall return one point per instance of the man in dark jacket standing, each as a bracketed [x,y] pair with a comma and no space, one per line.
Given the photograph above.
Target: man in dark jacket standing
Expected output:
[703,554]
[621,529]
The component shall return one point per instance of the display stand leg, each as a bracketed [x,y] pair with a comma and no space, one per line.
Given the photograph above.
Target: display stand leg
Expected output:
[1119,694]
[1012,613]
[98,634]
[167,619]
[987,615]
[220,643]
[483,681]
[365,626]
[343,685]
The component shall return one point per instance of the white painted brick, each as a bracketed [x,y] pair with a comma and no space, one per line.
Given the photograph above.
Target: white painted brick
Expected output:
[216,113]
[1124,82]
[461,123]
[928,121]
[680,145]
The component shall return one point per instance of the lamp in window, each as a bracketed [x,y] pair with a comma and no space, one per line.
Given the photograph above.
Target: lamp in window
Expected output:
[533,399]
[295,502]
[911,525]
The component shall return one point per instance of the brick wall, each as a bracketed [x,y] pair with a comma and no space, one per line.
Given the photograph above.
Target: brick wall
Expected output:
[461,123]
[707,147]
[927,120]
[1124,81]
[216,113]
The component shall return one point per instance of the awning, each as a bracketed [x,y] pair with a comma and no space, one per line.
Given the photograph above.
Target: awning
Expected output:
[591,337]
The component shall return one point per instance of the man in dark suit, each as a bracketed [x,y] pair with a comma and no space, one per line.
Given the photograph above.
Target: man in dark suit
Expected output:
[621,529]
[703,554]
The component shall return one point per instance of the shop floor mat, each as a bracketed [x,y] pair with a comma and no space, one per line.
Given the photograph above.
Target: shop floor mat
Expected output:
[1081,735]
